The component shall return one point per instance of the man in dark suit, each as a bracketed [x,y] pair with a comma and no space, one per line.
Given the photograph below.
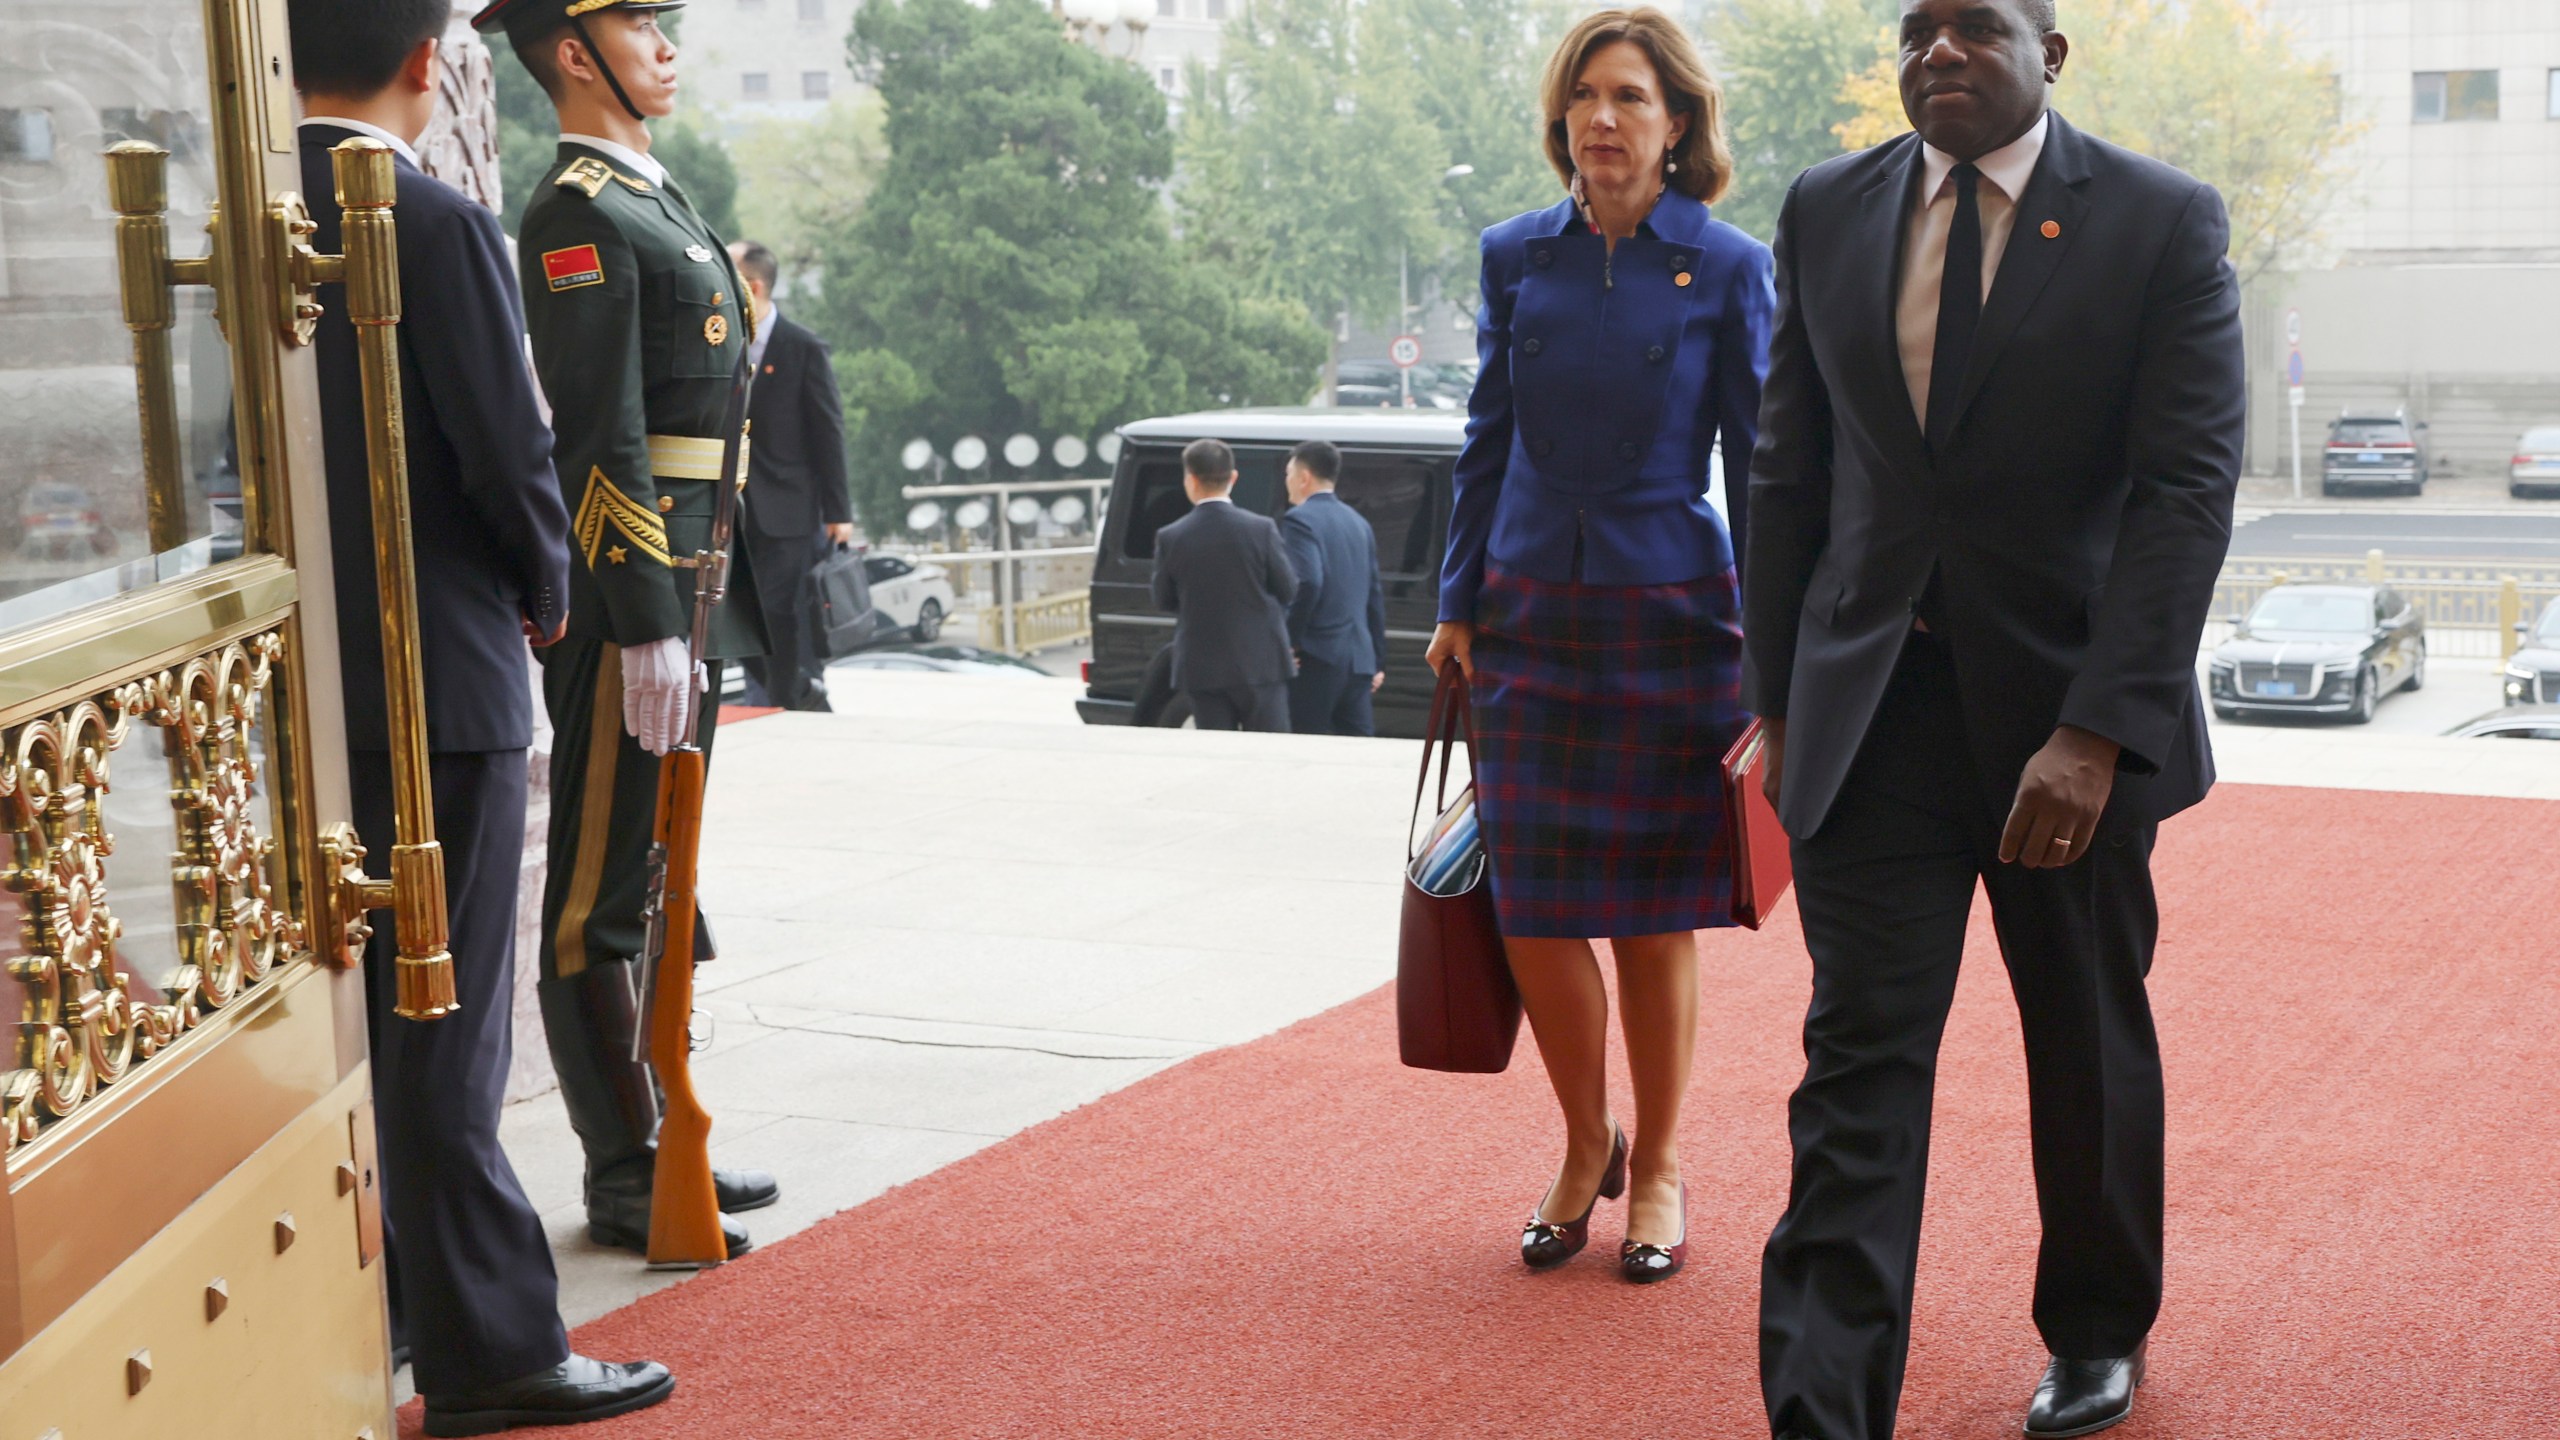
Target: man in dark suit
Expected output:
[1225,576]
[473,1292]
[1993,487]
[1338,623]
[797,504]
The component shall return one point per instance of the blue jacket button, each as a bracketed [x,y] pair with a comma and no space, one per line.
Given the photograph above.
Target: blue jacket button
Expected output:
[1543,257]
[1532,346]
[1626,449]
[1654,354]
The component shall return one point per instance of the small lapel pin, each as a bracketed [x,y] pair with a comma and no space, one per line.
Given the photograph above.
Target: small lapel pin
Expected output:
[2052,229]
[698,254]
[1681,279]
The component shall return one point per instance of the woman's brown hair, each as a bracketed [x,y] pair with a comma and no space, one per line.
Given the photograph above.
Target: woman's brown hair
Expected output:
[1705,162]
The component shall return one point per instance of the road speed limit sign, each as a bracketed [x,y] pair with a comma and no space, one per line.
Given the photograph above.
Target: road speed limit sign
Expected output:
[1406,351]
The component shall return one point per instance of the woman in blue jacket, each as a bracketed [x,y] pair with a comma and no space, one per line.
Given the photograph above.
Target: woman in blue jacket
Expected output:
[1590,596]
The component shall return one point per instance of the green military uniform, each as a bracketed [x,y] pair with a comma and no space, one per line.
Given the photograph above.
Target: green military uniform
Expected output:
[637,318]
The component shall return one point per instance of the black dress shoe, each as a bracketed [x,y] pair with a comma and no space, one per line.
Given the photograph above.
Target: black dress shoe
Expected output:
[2083,1397]
[572,1392]
[622,1221]
[744,1190]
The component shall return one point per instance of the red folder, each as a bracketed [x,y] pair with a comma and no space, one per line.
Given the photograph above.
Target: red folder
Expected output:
[1761,868]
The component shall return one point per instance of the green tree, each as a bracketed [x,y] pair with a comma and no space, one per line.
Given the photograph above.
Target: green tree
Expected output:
[802,184]
[1014,270]
[1307,165]
[1782,64]
[1475,67]
[2211,86]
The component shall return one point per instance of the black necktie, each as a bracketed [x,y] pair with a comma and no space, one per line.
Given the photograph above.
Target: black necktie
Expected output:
[1959,308]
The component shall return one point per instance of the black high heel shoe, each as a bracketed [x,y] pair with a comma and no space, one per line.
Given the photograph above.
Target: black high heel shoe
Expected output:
[1644,1264]
[1545,1244]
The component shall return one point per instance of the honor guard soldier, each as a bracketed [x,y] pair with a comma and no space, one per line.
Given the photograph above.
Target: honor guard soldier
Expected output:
[638,322]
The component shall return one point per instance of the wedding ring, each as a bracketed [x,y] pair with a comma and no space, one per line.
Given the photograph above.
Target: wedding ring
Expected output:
[2062,840]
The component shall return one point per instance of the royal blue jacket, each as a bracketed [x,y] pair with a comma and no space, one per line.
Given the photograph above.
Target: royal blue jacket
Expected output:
[1604,386]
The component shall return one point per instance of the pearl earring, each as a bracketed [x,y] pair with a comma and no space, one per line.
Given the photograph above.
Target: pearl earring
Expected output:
[1670,167]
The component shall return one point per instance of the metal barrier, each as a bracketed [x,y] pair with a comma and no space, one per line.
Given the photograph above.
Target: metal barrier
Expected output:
[1061,619]
[2472,610]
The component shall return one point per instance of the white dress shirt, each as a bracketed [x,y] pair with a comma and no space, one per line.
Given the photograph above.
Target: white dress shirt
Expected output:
[398,146]
[653,172]
[2005,173]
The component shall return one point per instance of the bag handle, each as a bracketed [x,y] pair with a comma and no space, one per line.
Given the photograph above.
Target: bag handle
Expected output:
[1452,719]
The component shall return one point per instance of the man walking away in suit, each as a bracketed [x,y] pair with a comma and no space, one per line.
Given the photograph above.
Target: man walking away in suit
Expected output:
[1225,576]
[797,504]
[1338,623]
[1998,449]
[473,1292]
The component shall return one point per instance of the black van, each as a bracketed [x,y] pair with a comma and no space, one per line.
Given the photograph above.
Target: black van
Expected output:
[1395,472]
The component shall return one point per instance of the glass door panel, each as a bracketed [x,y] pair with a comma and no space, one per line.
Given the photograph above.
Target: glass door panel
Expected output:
[79,517]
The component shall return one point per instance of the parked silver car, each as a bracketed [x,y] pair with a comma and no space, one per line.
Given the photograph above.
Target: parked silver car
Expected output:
[2536,468]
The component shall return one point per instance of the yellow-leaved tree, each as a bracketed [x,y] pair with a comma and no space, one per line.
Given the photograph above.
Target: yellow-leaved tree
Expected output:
[2213,87]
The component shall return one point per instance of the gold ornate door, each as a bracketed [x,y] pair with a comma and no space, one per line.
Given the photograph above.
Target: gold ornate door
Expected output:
[189,1234]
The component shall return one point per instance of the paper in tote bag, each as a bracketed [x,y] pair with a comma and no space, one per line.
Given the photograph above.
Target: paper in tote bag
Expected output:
[1456,1006]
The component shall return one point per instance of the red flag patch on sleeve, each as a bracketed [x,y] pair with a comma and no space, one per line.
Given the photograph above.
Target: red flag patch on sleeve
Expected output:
[568,269]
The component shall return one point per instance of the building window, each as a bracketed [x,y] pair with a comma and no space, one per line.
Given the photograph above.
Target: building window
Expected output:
[813,84]
[813,9]
[26,136]
[1215,9]
[1164,78]
[1168,9]
[755,85]
[2450,95]
[2552,106]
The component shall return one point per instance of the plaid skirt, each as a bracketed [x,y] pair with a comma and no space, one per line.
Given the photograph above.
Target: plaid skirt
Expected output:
[1602,717]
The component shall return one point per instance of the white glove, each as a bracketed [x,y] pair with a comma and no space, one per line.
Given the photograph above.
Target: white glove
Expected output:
[653,677]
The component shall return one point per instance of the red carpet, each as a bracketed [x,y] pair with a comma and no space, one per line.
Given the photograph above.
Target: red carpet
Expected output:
[732,714]
[1299,1238]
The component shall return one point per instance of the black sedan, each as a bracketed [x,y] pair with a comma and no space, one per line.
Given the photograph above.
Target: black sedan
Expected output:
[2533,675]
[2320,649]
[2516,722]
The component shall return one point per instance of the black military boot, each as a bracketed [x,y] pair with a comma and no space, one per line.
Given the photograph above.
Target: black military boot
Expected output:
[591,1020]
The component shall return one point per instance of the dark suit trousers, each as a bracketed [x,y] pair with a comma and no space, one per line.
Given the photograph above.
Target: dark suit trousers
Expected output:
[1329,700]
[789,668]
[1242,707]
[1885,888]
[472,1287]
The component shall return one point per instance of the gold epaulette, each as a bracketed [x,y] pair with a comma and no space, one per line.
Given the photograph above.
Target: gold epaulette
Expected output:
[588,175]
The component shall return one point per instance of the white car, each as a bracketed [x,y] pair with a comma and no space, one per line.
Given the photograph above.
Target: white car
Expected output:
[912,599]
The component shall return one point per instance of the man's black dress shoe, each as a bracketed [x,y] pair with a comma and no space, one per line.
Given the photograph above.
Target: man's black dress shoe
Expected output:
[570,1393]
[2083,1397]
[744,1190]
[622,1221]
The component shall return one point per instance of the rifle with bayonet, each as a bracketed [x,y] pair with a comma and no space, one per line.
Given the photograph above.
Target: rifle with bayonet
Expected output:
[684,1210]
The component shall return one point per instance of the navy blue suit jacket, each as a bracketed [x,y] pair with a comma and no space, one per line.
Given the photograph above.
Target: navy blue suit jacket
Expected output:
[2076,521]
[1340,615]
[1604,385]
[486,520]
[1225,576]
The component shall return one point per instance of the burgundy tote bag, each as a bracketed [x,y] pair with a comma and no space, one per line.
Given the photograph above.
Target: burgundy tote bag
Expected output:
[1456,1006]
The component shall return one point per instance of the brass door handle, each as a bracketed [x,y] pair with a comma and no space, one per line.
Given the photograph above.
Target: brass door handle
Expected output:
[371,270]
[138,188]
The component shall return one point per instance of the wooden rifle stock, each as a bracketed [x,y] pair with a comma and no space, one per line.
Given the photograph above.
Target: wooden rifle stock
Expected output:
[684,1211]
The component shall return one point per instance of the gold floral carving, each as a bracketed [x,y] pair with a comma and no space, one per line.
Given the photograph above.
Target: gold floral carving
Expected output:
[83,1028]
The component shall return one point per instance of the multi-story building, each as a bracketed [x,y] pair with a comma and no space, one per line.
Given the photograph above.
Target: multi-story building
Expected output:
[2443,250]
[757,59]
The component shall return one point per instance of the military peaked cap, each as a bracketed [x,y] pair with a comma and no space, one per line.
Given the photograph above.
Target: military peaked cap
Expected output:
[539,16]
